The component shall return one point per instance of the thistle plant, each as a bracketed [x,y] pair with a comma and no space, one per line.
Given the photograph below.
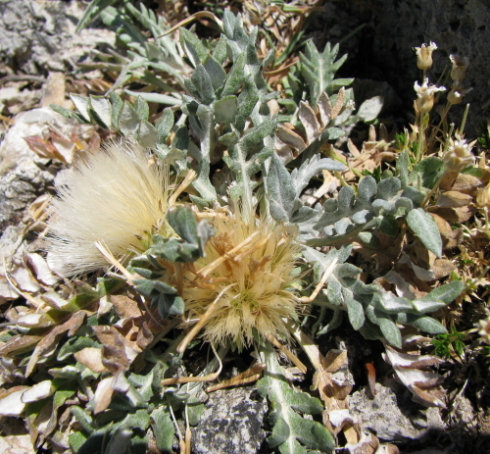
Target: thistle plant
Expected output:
[200,224]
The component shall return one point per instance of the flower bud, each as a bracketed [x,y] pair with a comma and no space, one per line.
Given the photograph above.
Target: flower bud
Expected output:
[460,64]
[424,55]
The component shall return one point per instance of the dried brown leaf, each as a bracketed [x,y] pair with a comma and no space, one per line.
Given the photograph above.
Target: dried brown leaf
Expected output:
[125,306]
[91,357]
[308,119]
[20,343]
[50,341]
[453,199]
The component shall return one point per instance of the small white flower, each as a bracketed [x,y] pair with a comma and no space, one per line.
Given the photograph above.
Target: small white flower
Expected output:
[459,155]
[116,198]
[425,96]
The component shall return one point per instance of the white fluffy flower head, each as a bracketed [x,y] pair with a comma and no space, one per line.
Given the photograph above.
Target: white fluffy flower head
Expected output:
[116,198]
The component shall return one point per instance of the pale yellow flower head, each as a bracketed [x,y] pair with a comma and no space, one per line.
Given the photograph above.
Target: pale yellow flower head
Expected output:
[114,197]
[424,55]
[248,263]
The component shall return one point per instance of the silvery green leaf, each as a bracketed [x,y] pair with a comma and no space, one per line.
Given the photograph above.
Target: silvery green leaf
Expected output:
[302,176]
[390,331]
[303,214]
[82,103]
[141,108]
[220,52]
[367,190]
[128,120]
[388,188]
[370,109]
[361,217]
[347,270]
[428,305]
[117,105]
[215,71]
[331,134]
[380,205]
[236,77]
[388,302]
[146,134]
[193,47]
[163,429]
[423,225]
[225,110]
[183,221]
[334,322]
[93,10]
[389,226]
[204,86]
[447,292]
[67,113]
[288,428]
[403,168]
[426,324]
[165,124]
[355,310]
[430,170]
[334,294]
[404,202]
[102,108]
[280,191]
[158,98]
[343,225]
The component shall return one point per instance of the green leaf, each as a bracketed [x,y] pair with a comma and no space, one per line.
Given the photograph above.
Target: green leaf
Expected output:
[355,311]
[426,324]
[82,103]
[204,85]
[446,293]
[430,169]
[403,168]
[390,331]
[92,11]
[163,429]
[102,110]
[165,124]
[281,192]
[225,109]
[146,134]
[423,225]
[288,426]
[183,221]
[141,108]
[128,120]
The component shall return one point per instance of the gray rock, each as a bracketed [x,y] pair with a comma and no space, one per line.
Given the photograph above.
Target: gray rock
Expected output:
[40,36]
[392,418]
[231,423]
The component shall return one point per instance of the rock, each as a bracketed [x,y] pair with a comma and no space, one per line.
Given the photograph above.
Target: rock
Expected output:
[40,36]
[231,424]
[393,417]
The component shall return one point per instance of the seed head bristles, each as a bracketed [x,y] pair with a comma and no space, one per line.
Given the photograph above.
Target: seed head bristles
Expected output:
[115,198]
[243,284]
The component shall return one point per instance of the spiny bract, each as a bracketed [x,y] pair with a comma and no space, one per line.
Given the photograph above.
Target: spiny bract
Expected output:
[244,282]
